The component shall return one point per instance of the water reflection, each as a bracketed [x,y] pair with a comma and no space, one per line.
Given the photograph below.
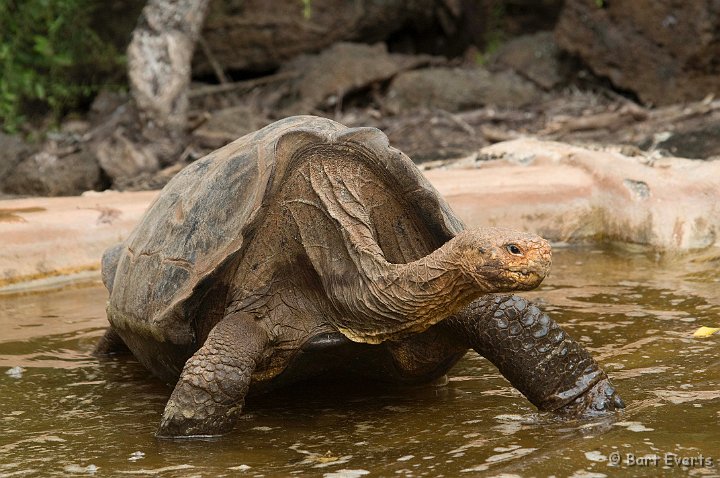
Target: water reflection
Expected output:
[64,412]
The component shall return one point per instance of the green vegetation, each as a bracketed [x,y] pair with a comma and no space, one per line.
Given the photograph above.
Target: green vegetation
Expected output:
[495,34]
[307,9]
[51,59]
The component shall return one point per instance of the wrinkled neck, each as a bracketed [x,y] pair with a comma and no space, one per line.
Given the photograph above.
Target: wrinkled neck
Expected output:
[385,301]
[426,290]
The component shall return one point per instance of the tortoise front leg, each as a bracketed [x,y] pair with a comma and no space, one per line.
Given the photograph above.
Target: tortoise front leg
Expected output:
[211,390]
[538,358]
[110,344]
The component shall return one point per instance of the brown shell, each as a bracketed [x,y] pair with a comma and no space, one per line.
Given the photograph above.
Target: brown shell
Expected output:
[200,220]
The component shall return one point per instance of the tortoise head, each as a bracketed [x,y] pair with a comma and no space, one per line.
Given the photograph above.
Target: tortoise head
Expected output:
[502,260]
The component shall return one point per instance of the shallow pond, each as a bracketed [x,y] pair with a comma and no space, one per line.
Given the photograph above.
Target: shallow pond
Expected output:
[65,413]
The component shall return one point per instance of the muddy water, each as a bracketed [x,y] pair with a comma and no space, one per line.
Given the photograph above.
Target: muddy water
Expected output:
[64,413]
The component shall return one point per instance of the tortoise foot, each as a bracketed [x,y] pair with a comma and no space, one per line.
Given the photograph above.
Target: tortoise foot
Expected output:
[602,398]
[211,391]
[185,419]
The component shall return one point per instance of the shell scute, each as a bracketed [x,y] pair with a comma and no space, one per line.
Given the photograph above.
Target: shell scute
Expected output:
[202,218]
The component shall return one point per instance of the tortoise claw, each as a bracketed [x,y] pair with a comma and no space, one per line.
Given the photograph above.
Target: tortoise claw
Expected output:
[180,421]
[598,400]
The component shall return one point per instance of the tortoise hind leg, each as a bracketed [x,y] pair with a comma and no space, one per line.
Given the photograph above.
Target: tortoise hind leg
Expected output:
[110,344]
[211,390]
[538,358]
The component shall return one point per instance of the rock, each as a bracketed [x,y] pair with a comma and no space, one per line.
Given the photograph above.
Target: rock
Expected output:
[257,35]
[572,194]
[701,141]
[685,130]
[122,158]
[125,146]
[227,125]
[663,50]
[148,181]
[12,151]
[456,89]
[426,135]
[46,173]
[15,372]
[67,235]
[518,17]
[74,127]
[324,79]
[105,104]
[535,57]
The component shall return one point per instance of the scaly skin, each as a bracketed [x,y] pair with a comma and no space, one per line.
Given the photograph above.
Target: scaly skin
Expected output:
[553,371]
[307,228]
[409,298]
[211,390]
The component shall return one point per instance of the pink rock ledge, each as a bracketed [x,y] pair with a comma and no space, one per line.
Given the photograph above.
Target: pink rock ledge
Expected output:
[565,193]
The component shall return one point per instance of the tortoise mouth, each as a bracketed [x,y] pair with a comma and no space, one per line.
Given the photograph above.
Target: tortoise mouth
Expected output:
[525,270]
[527,278]
[512,279]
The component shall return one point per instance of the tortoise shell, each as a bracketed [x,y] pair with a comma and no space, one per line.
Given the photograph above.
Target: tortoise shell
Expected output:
[204,218]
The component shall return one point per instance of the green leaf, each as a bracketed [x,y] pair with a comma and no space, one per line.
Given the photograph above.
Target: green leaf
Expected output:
[42,45]
[307,9]
[39,91]
[50,54]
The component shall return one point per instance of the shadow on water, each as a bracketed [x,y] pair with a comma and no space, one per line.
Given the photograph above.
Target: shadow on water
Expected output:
[64,412]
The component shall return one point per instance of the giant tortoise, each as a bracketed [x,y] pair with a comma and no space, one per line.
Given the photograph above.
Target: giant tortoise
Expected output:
[307,248]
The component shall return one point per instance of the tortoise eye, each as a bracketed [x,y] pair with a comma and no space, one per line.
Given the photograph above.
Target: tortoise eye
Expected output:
[514,249]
